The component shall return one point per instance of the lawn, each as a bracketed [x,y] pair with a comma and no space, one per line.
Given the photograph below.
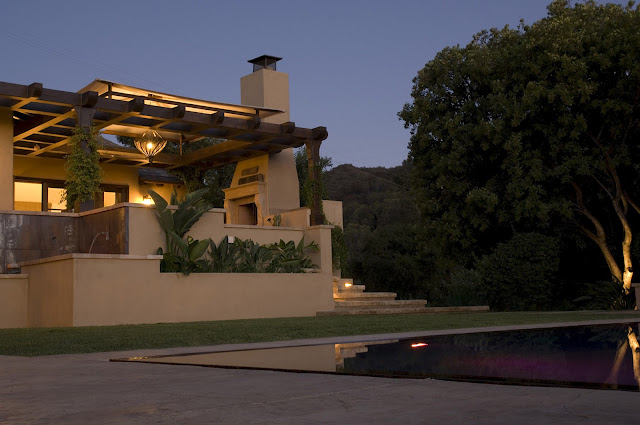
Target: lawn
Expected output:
[47,341]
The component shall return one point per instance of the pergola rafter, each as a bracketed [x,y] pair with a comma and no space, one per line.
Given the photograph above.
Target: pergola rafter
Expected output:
[44,120]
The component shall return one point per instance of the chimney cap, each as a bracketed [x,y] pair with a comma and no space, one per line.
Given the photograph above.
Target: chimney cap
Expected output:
[264,62]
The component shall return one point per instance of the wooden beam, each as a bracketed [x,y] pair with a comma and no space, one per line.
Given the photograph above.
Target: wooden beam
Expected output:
[287,127]
[34,91]
[88,99]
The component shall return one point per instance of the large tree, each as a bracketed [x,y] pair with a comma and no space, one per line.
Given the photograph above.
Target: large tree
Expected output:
[525,125]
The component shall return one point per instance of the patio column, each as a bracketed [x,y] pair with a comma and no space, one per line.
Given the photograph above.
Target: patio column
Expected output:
[84,119]
[6,159]
[313,158]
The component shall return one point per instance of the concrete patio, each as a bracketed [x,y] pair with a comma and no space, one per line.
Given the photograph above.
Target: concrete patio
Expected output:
[87,388]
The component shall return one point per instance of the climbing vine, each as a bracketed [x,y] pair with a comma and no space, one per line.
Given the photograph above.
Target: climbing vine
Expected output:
[84,174]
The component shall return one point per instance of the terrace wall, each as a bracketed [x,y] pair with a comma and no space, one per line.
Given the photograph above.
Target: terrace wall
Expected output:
[90,290]
[120,281]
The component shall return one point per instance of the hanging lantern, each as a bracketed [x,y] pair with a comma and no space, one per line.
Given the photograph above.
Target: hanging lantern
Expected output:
[150,144]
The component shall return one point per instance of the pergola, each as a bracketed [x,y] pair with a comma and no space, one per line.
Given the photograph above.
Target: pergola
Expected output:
[44,120]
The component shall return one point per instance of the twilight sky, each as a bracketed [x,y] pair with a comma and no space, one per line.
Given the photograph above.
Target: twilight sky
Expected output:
[350,63]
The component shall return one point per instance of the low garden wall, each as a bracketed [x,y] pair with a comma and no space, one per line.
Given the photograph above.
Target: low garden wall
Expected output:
[90,290]
[13,293]
[122,282]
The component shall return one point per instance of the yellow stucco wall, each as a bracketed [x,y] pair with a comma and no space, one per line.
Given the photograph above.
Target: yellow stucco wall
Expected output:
[333,212]
[269,89]
[6,159]
[93,290]
[321,235]
[50,294]
[13,296]
[145,235]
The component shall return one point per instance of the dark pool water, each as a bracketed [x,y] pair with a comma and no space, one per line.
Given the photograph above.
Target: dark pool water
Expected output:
[587,357]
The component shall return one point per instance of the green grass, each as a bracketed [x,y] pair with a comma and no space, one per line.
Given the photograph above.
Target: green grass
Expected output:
[48,341]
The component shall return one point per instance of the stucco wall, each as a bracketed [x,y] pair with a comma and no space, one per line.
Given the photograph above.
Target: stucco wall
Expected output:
[145,235]
[333,212]
[50,293]
[88,290]
[13,296]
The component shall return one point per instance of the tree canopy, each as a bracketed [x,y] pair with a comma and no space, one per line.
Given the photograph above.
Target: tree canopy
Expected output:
[529,125]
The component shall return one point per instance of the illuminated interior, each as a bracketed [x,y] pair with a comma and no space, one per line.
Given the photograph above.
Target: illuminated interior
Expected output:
[29,196]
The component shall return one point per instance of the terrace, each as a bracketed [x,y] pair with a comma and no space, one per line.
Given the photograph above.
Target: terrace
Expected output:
[96,264]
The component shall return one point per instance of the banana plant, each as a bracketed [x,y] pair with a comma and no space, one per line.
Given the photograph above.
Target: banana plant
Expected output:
[181,255]
[290,258]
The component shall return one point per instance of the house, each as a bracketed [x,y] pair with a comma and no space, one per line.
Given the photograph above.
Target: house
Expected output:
[96,265]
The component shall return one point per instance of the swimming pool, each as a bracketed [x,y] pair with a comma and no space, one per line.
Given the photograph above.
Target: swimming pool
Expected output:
[600,356]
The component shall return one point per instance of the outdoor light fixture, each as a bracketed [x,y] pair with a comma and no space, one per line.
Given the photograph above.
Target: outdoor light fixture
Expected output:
[150,144]
[146,199]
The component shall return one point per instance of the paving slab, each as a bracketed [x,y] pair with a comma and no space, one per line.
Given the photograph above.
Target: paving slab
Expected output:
[89,389]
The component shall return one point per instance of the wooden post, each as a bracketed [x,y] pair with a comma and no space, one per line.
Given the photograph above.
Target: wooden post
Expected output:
[84,119]
[313,158]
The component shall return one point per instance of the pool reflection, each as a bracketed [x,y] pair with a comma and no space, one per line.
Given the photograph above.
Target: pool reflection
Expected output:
[592,357]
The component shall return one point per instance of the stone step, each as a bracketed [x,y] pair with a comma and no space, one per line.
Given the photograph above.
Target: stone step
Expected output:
[380,303]
[354,288]
[364,296]
[340,284]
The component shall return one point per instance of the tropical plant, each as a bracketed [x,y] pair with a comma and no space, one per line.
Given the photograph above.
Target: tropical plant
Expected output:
[239,256]
[290,258]
[222,257]
[84,174]
[246,256]
[185,254]
[180,254]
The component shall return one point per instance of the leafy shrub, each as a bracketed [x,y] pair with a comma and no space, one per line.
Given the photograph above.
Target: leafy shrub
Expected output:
[463,288]
[606,295]
[520,273]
